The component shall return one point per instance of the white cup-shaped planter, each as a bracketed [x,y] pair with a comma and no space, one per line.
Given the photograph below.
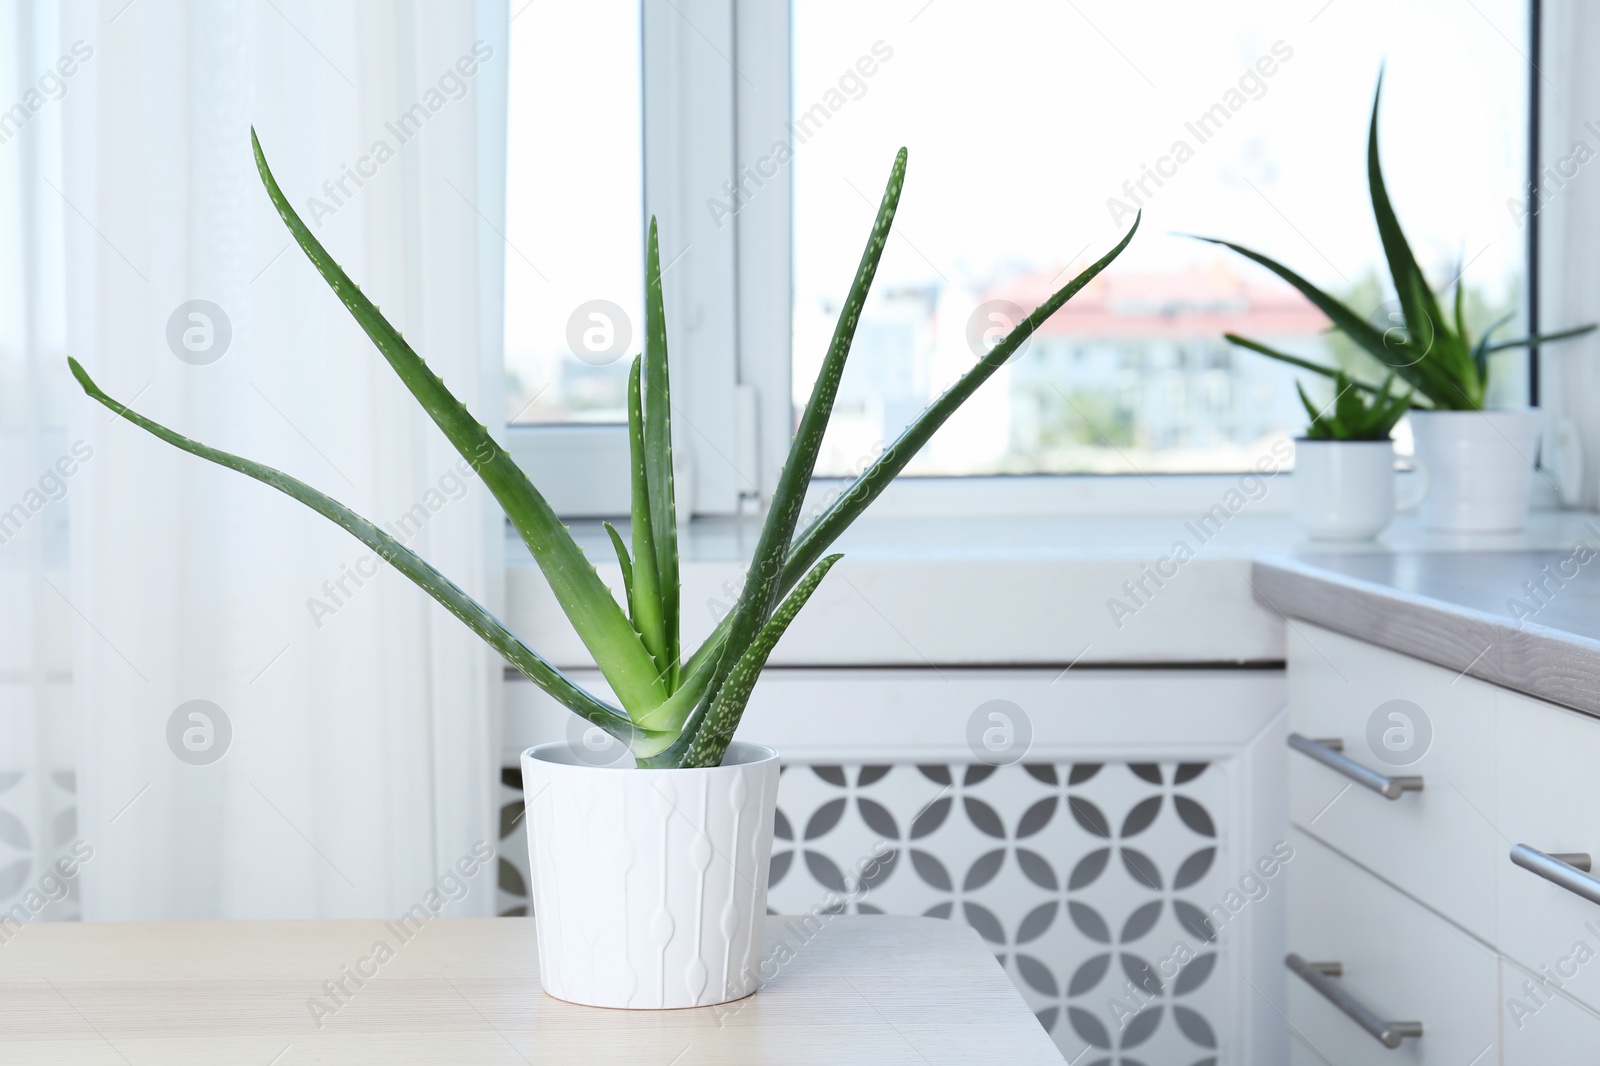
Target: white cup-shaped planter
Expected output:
[1481,468]
[1346,489]
[649,886]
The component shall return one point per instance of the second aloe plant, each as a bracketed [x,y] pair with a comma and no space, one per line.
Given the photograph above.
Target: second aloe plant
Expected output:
[1435,358]
[675,711]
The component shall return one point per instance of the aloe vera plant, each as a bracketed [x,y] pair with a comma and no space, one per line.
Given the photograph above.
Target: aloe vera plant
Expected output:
[1435,357]
[675,711]
[1353,416]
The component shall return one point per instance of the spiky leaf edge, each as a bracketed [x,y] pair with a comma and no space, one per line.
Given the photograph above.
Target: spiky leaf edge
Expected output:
[646,603]
[658,457]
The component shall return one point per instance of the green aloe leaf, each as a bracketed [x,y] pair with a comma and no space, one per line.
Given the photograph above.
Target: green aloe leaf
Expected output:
[1404,358]
[1540,338]
[413,566]
[1388,409]
[1480,351]
[588,604]
[711,740]
[658,456]
[672,714]
[1424,320]
[1461,299]
[849,505]
[1312,410]
[1349,416]
[646,602]
[622,560]
[844,510]
[1294,360]
[762,582]
[1347,405]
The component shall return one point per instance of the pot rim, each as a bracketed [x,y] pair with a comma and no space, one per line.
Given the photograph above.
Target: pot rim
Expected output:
[1387,441]
[754,755]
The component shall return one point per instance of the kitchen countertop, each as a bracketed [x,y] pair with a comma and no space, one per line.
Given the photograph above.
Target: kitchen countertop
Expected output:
[1528,620]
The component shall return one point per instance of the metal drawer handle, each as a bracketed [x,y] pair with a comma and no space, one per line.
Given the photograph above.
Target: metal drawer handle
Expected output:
[1320,976]
[1569,869]
[1329,754]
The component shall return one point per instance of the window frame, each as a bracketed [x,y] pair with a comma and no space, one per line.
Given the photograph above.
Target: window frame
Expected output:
[1530,253]
[727,277]
[717,89]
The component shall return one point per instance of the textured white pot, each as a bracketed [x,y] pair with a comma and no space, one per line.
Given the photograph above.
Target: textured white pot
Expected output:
[1480,468]
[1345,489]
[649,886]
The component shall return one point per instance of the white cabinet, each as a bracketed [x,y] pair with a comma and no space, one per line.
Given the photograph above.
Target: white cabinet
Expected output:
[1397,959]
[1540,1028]
[1417,897]
[1399,717]
[1549,754]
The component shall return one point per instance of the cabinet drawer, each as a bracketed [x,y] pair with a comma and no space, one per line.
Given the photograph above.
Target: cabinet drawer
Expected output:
[1399,716]
[1399,960]
[1550,801]
[1539,1028]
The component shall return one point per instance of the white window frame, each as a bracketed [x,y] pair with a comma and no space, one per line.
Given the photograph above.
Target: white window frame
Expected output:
[716,96]
[727,279]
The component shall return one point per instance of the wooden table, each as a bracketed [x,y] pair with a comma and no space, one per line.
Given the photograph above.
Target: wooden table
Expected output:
[874,990]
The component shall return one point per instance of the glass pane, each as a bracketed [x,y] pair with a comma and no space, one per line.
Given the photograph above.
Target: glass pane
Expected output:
[1035,128]
[574,260]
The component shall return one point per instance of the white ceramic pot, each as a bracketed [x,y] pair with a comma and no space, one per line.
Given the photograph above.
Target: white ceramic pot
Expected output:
[649,886]
[1345,489]
[1481,467]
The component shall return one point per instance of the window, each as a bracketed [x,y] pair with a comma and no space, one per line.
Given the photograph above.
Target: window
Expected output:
[1035,130]
[616,105]
[574,264]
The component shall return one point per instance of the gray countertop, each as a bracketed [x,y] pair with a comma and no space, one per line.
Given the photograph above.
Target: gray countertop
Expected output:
[1526,620]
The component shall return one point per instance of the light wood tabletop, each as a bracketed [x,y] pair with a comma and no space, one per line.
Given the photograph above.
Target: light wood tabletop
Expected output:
[846,989]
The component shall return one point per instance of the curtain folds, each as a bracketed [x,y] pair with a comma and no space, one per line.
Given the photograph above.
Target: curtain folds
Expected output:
[266,721]
[41,466]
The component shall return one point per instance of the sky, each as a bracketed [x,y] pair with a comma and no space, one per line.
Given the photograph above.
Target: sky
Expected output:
[1023,117]
[574,177]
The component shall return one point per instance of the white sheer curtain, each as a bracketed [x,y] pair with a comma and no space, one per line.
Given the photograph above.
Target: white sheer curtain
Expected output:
[343,757]
[37,804]
[1569,217]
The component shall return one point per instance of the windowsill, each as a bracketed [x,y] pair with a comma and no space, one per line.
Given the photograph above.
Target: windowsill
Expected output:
[1016,590]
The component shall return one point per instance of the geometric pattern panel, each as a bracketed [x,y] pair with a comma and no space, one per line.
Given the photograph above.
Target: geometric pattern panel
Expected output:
[1090,882]
[512,891]
[30,889]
